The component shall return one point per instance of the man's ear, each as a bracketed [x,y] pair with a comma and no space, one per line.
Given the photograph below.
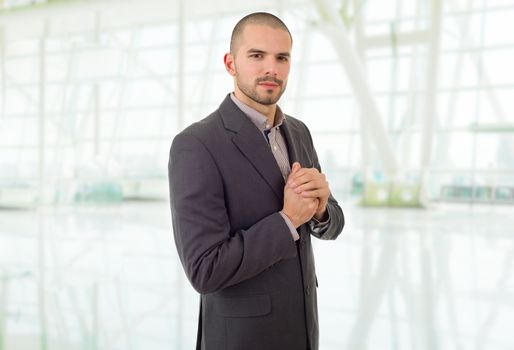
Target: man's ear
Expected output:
[228,59]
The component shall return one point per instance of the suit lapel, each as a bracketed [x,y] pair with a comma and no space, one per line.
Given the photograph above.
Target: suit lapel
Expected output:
[248,139]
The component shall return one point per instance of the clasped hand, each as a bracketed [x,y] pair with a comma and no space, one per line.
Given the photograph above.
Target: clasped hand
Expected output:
[305,195]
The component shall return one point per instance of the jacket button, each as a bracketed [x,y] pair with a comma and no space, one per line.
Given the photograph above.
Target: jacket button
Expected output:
[308,290]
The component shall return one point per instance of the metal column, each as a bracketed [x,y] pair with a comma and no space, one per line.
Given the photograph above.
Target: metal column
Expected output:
[431,88]
[3,86]
[336,32]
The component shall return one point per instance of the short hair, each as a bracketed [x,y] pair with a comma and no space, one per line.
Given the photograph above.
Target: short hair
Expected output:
[259,18]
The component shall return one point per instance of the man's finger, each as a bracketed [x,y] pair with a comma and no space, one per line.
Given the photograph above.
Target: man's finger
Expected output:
[311,194]
[301,178]
[311,185]
[295,168]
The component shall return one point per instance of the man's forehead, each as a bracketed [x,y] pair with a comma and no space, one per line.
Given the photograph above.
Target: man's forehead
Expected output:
[258,27]
[254,34]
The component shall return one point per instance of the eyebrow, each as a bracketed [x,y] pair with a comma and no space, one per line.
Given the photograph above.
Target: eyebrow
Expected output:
[287,54]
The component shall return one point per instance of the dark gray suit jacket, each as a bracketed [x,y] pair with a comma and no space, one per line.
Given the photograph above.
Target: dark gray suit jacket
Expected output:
[257,286]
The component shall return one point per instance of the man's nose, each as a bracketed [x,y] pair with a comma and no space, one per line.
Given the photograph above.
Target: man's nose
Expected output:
[271,67]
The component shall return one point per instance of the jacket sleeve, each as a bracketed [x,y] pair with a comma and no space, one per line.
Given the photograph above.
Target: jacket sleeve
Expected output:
[213,255]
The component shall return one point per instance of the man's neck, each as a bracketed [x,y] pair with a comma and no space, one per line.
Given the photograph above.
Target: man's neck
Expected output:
[268,110]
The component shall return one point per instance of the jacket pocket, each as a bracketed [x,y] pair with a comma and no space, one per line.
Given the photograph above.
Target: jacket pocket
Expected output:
[247,306]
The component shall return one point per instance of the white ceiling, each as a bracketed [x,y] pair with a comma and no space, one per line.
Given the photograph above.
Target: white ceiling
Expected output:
[64,17]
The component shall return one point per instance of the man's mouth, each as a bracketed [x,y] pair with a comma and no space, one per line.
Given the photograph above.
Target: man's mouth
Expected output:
[269,83]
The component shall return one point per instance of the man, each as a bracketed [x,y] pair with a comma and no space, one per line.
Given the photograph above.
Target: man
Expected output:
[242,215]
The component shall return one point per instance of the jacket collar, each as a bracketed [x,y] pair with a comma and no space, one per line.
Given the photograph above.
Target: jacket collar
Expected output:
[248,139]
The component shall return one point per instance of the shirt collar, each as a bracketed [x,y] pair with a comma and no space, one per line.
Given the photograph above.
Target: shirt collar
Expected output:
[257,118]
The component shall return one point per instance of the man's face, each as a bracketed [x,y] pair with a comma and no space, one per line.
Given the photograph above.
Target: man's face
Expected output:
[261,64]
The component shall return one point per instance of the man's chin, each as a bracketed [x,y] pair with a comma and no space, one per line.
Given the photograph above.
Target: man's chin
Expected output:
[266,98]
[267,102]
[269,99]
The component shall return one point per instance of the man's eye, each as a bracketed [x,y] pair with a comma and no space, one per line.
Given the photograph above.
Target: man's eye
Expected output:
[283,58]
[256,55]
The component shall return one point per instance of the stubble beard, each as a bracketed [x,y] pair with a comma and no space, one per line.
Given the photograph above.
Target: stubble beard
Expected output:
[251,91]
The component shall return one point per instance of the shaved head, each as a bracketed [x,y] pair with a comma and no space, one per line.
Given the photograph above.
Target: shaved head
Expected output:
[256,18]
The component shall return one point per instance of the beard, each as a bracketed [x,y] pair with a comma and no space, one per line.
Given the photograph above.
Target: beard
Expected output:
[267,98]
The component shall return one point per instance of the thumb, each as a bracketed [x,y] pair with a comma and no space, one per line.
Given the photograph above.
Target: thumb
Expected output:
[296,166]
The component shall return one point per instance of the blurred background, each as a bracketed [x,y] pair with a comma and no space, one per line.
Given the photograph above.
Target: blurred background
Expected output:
[411,106]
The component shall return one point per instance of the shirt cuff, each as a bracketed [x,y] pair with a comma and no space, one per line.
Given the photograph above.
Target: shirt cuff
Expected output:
[319,226]
[292,229]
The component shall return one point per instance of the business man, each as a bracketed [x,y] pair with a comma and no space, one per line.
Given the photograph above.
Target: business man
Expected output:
[246,195]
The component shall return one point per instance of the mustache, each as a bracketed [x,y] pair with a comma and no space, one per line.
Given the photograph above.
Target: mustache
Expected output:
[270,79]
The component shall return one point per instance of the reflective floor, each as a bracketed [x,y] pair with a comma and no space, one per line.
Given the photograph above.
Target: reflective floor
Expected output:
[107,277]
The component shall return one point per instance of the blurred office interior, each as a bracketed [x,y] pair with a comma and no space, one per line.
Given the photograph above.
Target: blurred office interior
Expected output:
[411,107]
